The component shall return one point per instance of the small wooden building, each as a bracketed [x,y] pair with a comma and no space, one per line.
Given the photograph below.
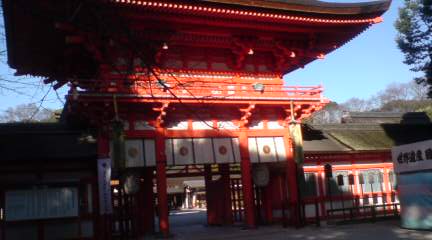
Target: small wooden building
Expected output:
[48,185]
[360,148]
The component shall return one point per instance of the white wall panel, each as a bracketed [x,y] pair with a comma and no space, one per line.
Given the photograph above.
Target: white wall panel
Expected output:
[150,152]
[253,151]
[143,125]
[256,125]
[280,149]
[183,152]
[203,150]
[227,125]
[134,153]
[223,149]
[202,125]
[236,147]
[266,149]
[169,152]
[182,125]
[274,125]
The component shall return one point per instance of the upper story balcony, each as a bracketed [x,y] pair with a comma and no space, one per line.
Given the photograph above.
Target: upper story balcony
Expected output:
[209,88]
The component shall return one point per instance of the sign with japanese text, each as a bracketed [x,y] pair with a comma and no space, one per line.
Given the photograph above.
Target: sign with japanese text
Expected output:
[104,181]
[412,157]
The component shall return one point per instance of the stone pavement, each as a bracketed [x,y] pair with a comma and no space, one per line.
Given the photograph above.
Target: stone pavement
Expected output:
[382,230]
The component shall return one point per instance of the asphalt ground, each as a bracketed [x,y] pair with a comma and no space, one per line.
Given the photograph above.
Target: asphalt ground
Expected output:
[191,225]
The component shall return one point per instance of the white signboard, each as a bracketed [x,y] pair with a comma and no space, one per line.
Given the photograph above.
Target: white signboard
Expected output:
[267,149]
[184,151]
[41,203]
[140,153]
[412,157]
[104,181]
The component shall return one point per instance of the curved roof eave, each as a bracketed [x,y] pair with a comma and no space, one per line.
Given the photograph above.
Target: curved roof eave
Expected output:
[315,6]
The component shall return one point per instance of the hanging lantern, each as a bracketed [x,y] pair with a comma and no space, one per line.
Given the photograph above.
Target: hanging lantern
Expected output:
[351,179]
[130,181]
[165,46]
[361,178]
[371,178]
[259,87]
[328,171]
[340,180]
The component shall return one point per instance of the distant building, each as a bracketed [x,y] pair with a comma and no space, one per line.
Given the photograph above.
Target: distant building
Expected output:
[360,146]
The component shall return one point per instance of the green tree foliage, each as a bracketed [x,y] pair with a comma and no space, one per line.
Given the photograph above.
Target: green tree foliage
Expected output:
[415,38]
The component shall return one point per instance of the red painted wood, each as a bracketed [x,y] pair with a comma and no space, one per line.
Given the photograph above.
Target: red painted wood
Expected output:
[162,195]
[267,201]
[227,203]
[246,177]
[291,173]
[146,203]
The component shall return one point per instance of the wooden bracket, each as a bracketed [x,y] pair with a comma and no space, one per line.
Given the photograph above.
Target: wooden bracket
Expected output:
[285,56]
[307,112]
[292,113]
[240,48]
[162,113]
[247,113]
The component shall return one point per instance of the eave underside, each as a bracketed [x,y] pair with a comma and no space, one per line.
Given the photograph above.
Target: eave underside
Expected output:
[314,6]
[37,47]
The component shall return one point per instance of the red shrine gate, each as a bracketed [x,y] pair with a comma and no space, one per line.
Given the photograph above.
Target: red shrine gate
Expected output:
[184,141]
[195,83]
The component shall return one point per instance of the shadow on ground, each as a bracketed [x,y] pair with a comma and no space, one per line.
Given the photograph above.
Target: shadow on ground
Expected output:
[191,226]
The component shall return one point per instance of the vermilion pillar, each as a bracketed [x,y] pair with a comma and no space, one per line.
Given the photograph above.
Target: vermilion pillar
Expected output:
[210,196]
[225,178]
[291,177]
[246,176]
[146,202]
[218,194]
[161,181]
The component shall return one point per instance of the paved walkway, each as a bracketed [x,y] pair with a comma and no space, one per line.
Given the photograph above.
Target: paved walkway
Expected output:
[192,227]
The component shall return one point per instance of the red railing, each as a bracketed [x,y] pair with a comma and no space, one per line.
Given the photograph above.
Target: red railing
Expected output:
[209,90]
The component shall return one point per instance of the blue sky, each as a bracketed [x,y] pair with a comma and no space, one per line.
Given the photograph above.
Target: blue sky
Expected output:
[362,67]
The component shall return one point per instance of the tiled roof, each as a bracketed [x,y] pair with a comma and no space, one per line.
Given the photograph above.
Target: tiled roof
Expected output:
[315,140]
[315,6]
[366,137]
[43,141]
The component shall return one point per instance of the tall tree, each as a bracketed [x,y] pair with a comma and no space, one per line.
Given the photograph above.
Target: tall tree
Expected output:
[357,105]
[331,113]
[415,38]
[27,113]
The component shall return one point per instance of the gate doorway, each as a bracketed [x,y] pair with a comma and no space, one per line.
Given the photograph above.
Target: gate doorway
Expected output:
[200,195]
[187,202]
[134,215]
